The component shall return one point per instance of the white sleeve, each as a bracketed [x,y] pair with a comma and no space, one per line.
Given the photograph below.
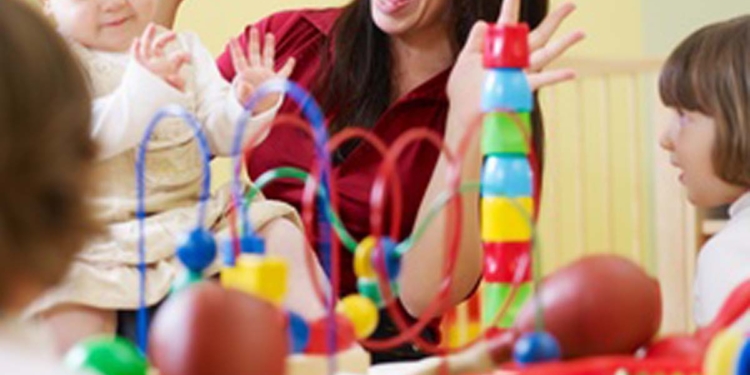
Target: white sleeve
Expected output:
[700,288]
[723,264]
[218,108]
[120,118]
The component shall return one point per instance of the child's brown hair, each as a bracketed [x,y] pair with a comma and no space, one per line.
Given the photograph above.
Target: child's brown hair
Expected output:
[45,150]
[709,72]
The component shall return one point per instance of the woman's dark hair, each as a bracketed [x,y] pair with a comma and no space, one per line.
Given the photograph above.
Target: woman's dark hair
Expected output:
[355,85]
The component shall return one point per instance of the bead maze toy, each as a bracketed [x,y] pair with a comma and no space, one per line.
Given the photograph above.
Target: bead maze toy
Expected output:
[586,319]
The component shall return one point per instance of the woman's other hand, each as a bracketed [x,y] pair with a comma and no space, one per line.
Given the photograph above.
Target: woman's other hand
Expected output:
[467,76]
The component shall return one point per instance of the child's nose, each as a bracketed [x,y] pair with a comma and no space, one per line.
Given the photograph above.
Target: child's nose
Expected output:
[665,140]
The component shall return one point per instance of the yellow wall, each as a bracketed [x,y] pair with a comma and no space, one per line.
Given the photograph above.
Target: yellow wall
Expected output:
[591,173]
[613,28]
[666,22]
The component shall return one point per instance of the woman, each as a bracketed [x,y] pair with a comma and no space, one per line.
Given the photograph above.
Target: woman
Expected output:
[390,66]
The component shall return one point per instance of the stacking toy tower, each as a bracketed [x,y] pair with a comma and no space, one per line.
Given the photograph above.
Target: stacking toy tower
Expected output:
[507,203]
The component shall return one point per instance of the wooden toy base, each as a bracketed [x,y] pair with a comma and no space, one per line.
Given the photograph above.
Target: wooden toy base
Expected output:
[352,361]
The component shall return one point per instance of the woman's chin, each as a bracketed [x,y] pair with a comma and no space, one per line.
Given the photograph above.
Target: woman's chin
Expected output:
[394,19]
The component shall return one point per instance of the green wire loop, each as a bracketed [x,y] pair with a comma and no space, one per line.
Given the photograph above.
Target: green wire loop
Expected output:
[438,204]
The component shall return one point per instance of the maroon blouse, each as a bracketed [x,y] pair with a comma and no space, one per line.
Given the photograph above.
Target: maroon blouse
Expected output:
[301,34]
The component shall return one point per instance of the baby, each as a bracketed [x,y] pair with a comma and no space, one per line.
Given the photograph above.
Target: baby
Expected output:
[135,69]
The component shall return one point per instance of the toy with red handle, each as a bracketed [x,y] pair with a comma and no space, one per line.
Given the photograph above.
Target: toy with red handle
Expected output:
[692,348]
[599,305]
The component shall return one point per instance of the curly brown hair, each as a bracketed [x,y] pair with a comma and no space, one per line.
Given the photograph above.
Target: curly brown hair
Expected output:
[45,150]
[709,72]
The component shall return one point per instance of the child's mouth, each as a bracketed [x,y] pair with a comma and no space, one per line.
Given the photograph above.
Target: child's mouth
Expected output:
[116,23]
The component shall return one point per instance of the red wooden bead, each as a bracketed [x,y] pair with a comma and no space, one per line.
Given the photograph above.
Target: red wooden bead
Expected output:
[507,46]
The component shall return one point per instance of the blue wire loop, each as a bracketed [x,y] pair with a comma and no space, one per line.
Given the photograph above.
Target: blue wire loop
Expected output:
[170,111]
[313,115]
[316,119]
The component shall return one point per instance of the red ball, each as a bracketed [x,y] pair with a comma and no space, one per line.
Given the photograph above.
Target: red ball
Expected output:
[209,330]
[601,304]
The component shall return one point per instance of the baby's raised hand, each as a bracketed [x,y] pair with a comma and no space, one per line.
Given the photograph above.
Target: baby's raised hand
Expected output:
[148,50]
[256,68]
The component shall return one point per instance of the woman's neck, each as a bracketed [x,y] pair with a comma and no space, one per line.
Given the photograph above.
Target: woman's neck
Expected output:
[417,58]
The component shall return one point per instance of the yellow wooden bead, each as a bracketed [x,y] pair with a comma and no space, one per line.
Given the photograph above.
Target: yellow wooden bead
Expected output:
[259,275]
[363,258]
[506,219]
[361,312]
[721,356]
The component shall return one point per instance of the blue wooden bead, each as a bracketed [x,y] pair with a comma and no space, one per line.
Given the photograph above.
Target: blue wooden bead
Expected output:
[535,347]
[507,176]
[392,258]
[248,245]
[299,333]
[252,245]
[743,359]
[506,90]
[198,250]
